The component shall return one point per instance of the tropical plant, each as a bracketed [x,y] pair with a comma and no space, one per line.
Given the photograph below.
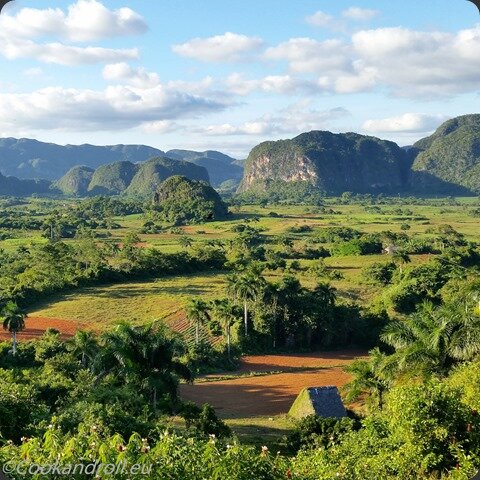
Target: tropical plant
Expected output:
[145,355]
[14,321]
[197,313]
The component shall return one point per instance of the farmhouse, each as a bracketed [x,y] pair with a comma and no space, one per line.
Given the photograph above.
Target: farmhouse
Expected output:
[322,401]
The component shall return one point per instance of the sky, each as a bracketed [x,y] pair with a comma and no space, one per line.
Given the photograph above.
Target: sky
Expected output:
[227,75]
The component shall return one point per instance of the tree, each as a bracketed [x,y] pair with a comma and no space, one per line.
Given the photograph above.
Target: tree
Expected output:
[432,340]
[146,355]
[13,321]
[197,312]
[245,287]
[370,378]
[84,345]
[226,314]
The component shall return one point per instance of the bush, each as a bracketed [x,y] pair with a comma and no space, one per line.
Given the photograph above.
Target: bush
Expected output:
[318,432]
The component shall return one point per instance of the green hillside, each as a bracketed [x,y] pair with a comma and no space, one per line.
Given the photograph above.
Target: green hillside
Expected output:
[182,201]
[153,172]
[75,182]
[451,156]
[112,179]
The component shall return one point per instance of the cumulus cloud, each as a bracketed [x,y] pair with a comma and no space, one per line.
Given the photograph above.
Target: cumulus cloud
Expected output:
[85,20]
[116,107]
[122,72]
[230,47]
[61,54]
[403,61]
[281,84]
[406,123]
[306,55]
[360,14]
[296,118]
[319,19]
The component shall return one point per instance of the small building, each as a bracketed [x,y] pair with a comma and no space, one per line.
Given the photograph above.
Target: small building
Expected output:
[322,401]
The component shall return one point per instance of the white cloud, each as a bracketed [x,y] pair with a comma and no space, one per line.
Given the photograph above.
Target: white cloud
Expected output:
[305,55]
[294,119]
[230,47]
[319,19]
[123,72]
[406,123]
[281,84]
[64,54]
[115,108]
[360,14]
[401,61]
[85,20]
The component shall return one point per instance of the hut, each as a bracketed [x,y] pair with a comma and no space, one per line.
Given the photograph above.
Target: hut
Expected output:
[322,401]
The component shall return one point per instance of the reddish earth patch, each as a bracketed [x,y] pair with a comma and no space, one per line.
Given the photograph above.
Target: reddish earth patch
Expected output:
[35,327]
[270,394]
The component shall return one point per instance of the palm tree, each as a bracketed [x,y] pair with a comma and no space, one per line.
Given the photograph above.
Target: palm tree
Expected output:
[326,293]
[84,345]
[197,312]
[226,315]
[431,341]
[370,378]
[246,287]
[13,321]
[147,355]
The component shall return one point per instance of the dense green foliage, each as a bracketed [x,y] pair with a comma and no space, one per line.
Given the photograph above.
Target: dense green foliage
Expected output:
[181,201]
[451,156]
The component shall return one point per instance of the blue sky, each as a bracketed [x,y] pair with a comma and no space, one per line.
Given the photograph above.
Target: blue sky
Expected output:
[226,75]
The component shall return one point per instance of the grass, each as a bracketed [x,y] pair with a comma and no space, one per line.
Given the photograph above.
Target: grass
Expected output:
[136,302]
[141,302]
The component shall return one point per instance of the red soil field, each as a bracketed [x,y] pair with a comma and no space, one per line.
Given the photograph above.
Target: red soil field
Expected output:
[35,327]
[274,394]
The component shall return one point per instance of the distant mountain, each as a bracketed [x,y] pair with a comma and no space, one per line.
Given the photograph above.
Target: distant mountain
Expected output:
[221,168]
[113,178]
[75,182]
[152,173]
[334,163]
[25,158]
[449,160]
[16,187]
[126,178]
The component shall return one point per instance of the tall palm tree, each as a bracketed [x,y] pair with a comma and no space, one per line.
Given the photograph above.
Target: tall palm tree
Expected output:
[245,288]
[84,345]
[14,321]
[146,355]
[197,312]
[226,314]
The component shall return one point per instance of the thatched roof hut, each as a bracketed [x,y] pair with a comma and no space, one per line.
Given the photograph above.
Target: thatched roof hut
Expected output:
[322,401]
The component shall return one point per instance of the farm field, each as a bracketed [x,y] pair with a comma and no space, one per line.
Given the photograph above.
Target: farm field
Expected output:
[268,385]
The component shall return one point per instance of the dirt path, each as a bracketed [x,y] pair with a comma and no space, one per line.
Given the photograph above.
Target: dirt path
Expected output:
[270,395]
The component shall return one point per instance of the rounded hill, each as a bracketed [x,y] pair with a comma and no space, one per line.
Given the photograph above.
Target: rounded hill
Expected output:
[182,201]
